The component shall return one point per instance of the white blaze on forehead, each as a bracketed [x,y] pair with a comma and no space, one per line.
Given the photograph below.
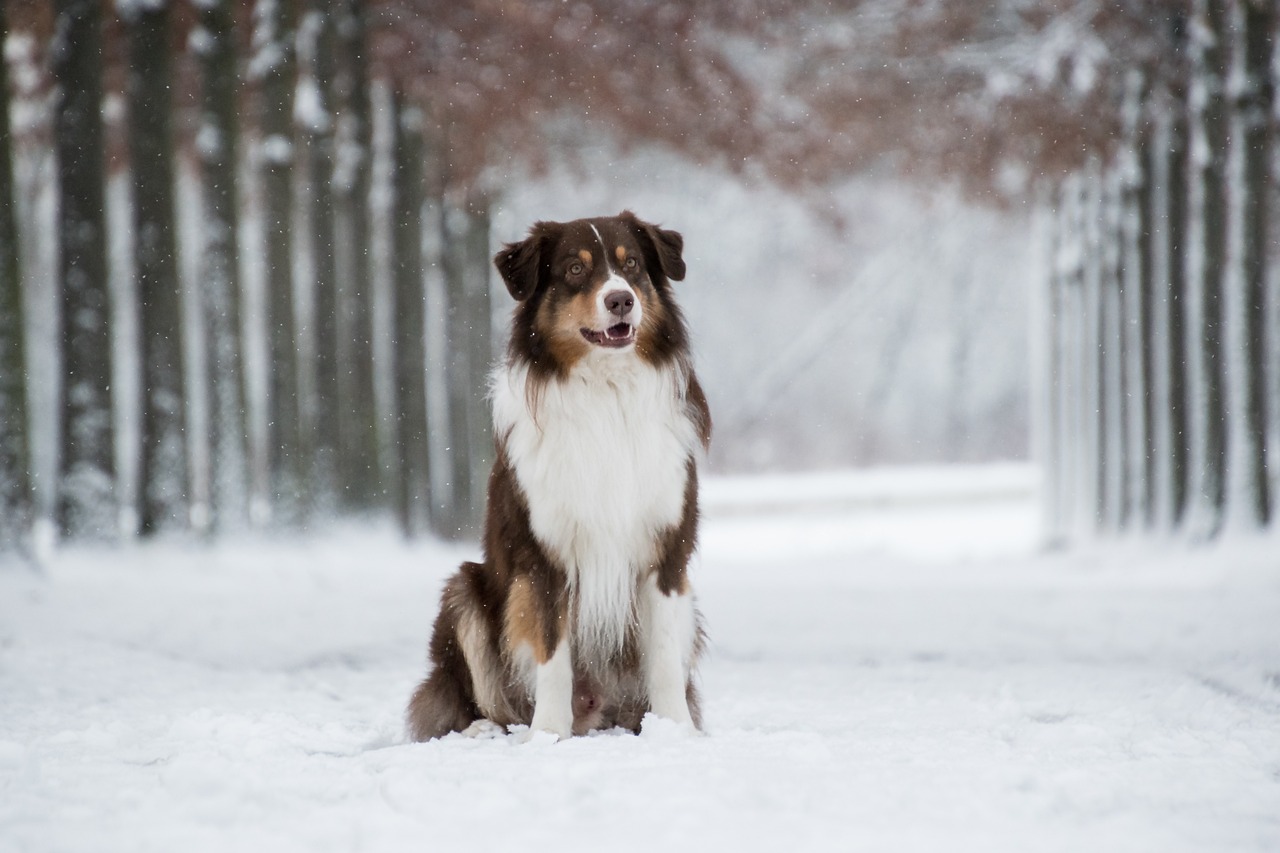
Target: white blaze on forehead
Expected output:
[603,248]
[612,283]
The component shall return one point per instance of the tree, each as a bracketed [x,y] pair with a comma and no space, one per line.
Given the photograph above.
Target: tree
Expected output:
[1253,28]
[86,480]
[15,478]
[460,329]
[275,67]
[1135,213]
[1166,169]
[1206,245]
[410,471]
[1172,101]
[315,114]
[217,143]
[1195,162]
[479,309]
[352,182]
[164,452]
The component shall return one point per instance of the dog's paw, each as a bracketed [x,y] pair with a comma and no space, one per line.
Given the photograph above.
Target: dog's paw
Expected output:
[526,734]
[655,727]
[483,729]
[554,719]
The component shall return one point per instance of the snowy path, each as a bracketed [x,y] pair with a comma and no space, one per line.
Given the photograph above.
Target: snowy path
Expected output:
[885,674]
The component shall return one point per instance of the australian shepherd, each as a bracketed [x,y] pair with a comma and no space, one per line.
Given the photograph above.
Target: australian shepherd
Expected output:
[581,616]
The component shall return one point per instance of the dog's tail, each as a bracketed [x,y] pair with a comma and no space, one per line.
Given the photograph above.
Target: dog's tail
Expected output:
[443,702]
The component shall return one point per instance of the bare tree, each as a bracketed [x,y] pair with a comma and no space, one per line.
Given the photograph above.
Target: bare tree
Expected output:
[410,462]
[1252,26]
[218,144]
[87,478]
[1135,204]
[1206,237]
[164,451]
[316,117]
[352,183]
[275,66]
[15,476]
[1166,170]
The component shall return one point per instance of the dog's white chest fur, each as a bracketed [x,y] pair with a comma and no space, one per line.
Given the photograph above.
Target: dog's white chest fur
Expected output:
[603,467]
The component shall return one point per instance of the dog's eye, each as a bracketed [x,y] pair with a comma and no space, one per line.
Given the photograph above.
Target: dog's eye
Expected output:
[576,268]
[630,264]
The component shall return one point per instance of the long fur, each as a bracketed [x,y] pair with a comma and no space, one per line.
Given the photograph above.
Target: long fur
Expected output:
[581,615]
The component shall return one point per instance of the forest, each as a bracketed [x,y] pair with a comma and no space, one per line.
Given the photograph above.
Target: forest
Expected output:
[311,185]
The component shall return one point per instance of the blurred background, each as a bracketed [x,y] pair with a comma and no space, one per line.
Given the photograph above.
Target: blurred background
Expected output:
[246,246]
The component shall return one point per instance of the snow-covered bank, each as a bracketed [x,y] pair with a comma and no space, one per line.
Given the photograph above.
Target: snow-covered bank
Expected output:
[902,676]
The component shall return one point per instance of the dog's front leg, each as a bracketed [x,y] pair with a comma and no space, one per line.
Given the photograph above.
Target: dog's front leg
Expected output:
[670,632]
[553,693]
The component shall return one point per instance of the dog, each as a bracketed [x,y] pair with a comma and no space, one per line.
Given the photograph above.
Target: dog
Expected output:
[581,616]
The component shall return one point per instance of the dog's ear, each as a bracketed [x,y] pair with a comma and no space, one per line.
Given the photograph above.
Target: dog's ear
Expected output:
[667,246]
[521,264]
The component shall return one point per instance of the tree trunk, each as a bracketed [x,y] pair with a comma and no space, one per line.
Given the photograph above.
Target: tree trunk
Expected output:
[1048,382]
[1206,256]
[316,115]
[277,67]
[1167,159]
[479,359]
[15,453]
[1094,340]
[411,473]
[458,328]
[358,419]
[1115,344]
[1252,26]
[1086,340]
[220,279]
[164,452]
[86,479]
[1135,199]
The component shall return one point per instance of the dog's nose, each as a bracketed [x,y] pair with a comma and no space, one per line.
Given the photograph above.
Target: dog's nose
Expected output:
[619,302]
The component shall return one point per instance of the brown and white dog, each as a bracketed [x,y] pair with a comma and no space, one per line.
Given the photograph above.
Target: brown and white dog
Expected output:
[581,616]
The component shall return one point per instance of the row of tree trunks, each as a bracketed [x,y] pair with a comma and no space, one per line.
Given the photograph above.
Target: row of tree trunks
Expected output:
[311,191]
[1158,304]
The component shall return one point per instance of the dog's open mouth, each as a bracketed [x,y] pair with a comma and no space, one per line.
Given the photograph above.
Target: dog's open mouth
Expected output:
[613,337]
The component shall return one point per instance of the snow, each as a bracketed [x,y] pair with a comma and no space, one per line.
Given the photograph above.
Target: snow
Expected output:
[891,667]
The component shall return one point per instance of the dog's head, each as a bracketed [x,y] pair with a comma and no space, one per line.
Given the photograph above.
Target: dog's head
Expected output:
[595,286]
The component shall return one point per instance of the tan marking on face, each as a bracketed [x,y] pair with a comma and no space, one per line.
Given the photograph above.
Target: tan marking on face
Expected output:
[522,622]
[621,253]
[585,255]
[652,319]
[562,322]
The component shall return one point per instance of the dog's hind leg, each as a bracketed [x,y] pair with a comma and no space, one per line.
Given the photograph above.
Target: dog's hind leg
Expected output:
[446,701]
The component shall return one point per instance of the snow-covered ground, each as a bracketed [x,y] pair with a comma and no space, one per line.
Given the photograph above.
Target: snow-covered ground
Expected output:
[892,667]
